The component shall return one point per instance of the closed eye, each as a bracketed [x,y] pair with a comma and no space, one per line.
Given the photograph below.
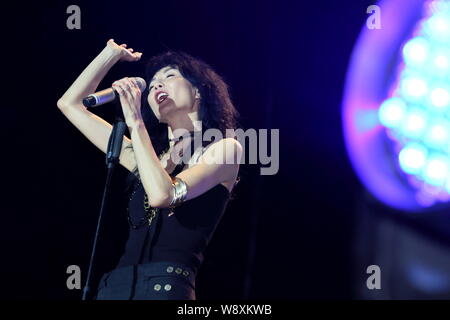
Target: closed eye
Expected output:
[169,75]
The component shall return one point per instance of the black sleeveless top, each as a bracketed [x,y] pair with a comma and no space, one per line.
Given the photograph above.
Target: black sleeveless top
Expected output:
[181,237]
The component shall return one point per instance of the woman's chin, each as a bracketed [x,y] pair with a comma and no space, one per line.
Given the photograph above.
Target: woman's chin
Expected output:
[165,109]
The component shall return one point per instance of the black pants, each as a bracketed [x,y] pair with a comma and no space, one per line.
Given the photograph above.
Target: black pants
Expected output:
[152,281]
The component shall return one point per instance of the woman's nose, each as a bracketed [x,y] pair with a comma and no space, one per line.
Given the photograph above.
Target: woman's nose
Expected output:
[158,84]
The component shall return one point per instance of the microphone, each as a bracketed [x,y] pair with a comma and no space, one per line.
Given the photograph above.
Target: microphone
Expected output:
[108,95]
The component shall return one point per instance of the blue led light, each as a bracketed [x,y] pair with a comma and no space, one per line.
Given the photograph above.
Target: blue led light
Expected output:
[438,135]
[414,88]
[435,171]
[416,51]
[415,123]
[437,27]
[440,97]
[441,59]
[418,112]
[412,158]
[392,112]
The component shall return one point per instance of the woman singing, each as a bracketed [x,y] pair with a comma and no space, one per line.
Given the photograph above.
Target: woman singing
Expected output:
[180,188]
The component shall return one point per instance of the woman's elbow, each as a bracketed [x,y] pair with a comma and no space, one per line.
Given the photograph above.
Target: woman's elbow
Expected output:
[162,201]
[61,104]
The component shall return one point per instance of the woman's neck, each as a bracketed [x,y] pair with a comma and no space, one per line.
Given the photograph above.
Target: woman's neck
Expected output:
[182,125]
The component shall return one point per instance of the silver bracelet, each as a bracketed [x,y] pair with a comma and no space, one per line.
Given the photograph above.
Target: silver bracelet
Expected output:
[179,192]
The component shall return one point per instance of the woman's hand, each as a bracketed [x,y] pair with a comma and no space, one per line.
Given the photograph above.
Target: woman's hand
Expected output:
[124,53]
[130,99]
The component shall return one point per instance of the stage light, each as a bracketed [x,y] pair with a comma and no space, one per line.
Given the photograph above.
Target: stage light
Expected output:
[392,112]
[415,123]
[414,88]
[447,186]
[441,61]
[436,170]
[437,136]
[412,158]
[440,97]
[437,27]
[410,91]
[416,51]
[425,95]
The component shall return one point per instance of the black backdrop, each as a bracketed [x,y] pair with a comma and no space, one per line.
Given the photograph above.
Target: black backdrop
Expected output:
[287,236]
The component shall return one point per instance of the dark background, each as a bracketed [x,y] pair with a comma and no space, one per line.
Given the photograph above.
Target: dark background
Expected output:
[287,236]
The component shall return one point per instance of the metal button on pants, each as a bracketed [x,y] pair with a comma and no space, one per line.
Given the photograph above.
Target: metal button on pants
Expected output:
[152,281]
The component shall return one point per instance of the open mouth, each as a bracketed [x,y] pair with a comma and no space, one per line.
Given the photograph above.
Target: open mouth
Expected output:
[161,97]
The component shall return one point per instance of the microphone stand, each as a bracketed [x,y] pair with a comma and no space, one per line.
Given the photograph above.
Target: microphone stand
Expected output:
[112,158]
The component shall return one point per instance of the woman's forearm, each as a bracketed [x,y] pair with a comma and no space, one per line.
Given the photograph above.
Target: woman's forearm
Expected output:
[88,81]
[155,179]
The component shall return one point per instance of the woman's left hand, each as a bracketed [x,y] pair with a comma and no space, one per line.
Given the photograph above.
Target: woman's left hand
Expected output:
[130,98]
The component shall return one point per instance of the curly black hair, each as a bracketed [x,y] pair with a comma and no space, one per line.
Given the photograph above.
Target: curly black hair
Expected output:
[216,109]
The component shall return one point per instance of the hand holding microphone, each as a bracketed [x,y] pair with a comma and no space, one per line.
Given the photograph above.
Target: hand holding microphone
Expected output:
[110,94]
[123,54]
[129,90]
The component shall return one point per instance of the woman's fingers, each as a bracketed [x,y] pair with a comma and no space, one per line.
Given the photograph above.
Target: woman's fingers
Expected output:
[129,87]
[129,98]
[117,88]
[135,86]
[120,87]
[128,54]
[126,87]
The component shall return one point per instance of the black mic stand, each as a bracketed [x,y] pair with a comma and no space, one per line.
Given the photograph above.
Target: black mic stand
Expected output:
[112,158]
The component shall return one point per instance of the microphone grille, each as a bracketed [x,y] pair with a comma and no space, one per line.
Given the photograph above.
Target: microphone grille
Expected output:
[141,83]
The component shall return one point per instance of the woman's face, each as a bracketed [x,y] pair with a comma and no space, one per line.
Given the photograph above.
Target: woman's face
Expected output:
[179,94]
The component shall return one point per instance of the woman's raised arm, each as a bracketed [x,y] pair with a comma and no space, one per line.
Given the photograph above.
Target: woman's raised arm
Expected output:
[93,127]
